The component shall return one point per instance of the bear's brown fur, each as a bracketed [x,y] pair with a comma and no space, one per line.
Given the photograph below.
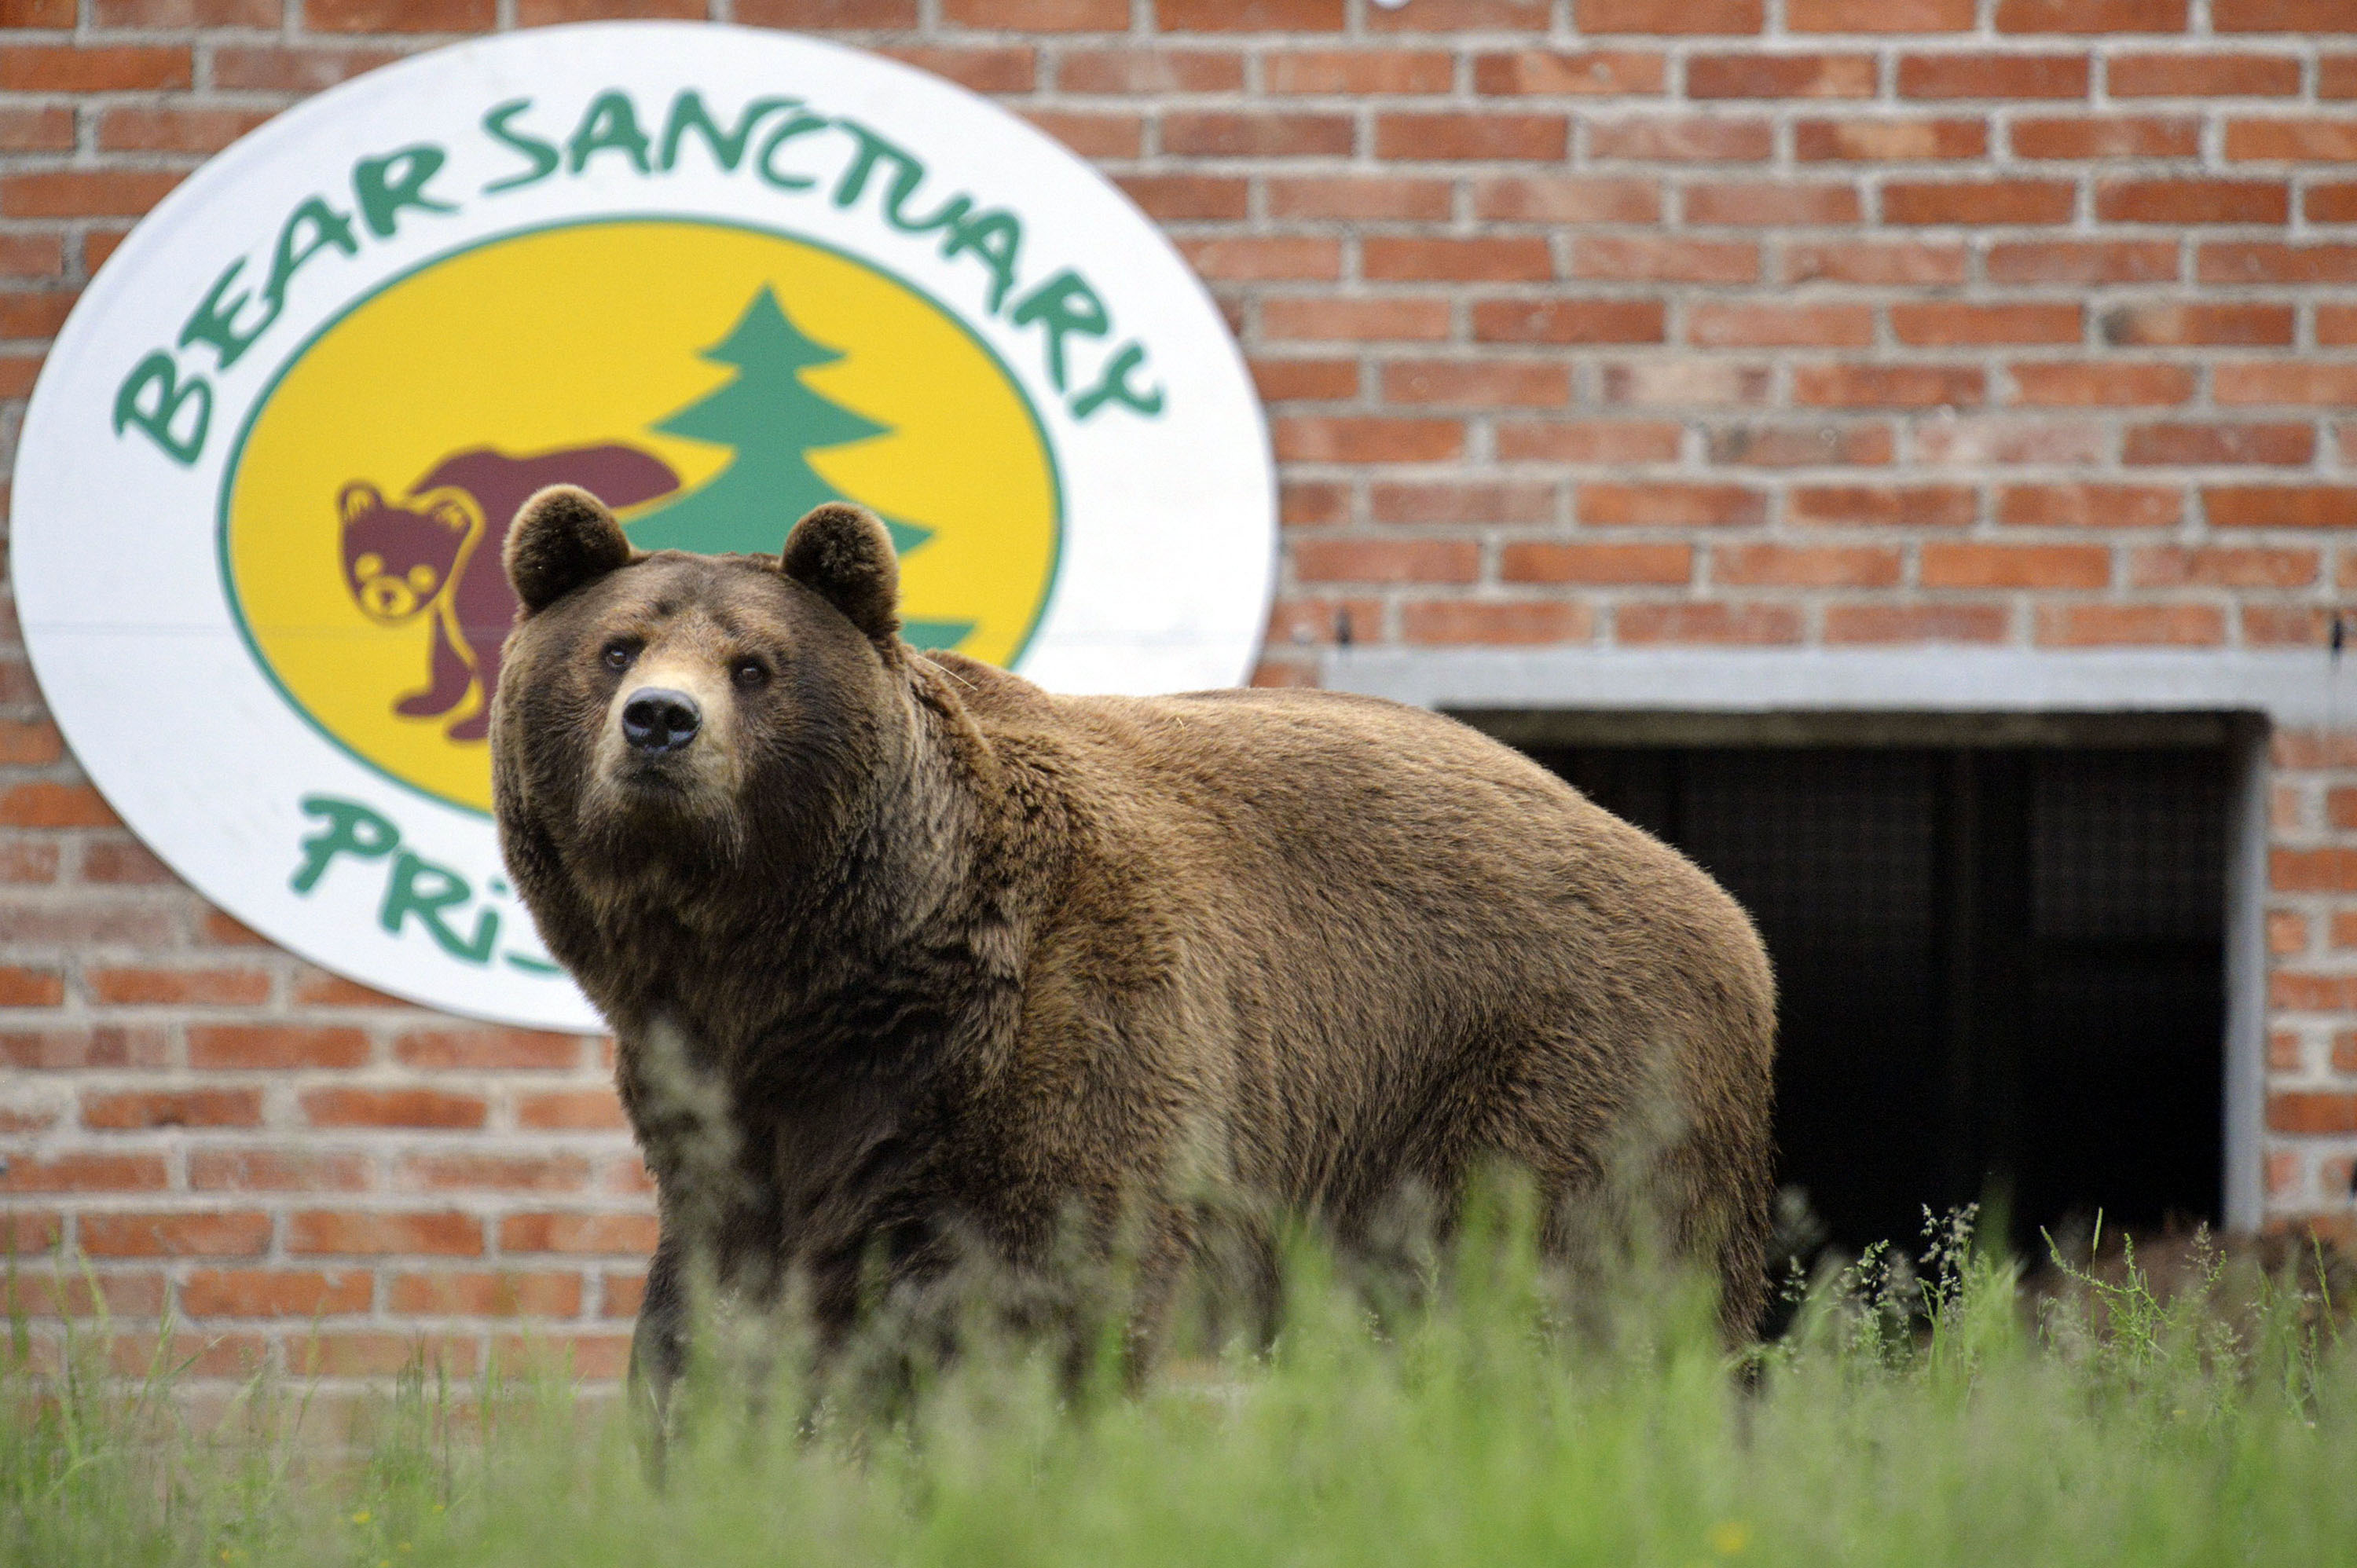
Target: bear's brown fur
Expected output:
[901,949]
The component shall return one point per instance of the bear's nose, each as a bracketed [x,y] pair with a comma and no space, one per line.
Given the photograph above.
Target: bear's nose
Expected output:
[658,720]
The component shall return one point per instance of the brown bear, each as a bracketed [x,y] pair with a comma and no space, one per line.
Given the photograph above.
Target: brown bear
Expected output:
[438,553]
[903,953]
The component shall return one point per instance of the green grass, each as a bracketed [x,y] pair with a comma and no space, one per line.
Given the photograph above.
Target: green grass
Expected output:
[1939,1418]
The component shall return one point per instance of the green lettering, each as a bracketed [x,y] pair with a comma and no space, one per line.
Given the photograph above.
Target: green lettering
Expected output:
[907,173]
[350,829]
[152,397]
[386,185]
[421,889]
[215,324]
[608,124]
[309,229]
[996,237]
[801,124]
[1113,386]
[688,113]
[1065,304]
[541,156]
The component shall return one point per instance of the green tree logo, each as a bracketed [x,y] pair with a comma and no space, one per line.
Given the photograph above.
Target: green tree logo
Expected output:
[771,421]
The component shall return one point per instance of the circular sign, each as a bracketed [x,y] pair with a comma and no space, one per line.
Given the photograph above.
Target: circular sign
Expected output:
[715,275]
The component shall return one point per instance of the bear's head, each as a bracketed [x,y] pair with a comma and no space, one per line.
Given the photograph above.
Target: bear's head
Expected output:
[673,717]
[398,557]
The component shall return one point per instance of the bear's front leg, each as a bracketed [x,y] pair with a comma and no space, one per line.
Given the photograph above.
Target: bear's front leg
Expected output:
[658,1348]
[451,676]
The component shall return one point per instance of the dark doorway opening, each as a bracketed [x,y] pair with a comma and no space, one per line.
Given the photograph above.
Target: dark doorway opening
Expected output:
[2002,966]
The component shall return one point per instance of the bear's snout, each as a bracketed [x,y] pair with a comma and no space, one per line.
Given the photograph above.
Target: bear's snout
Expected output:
[658,720]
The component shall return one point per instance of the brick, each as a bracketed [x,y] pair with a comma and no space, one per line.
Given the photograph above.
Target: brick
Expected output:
[1993,76]
[1668,17]
[364,1232]
[2106,625]
[2313,1112]
[1463,15]
[2336,76]
[550,13]
[575,1358]
[111,861]
[37,129]
[2285,626]
[2016,567]
[1303,439]
[2106,137]
[1802,445]
[486,1047]
[1478,383]
[2268,262]
[1228,133]
[2336,325]
[1849,385]
[144,1110]
[45,804]
[1669,506]
[1249,15]
[2091,15]
[298,68]
[2174,567]
[1448,622]
[1091,136]
[82,1173]
[577,1233]
[1486,260]
[33,860]
[1616,73]
[1712,621]
[1889,141]
[823,14]
[1772,203]
[36,13]
[1902,506]
[1178,196]
[1453,135]
[2308,140]
[277,1169]
[2193,201]
[21,985]
[398,16]
[275,1047]
[1358,196]
[2329,201]
[2202,76]
[1327,622]
[1305,381]
[1450,501]
[1746,326]
[1161,73]
[1322,318]
[2089,506]
[1944,325]
[1587,441]
[2280,505]
[31,257]
[382,1356]
[1648,259]
[483,1293]
[1874,262]
[85,193]
[2101,383]
[1567,198]
[2282,446]
[1255,258]
[1755,75]
[191,987]
[1569,321]
[1886,623]
[1803,567]
[1386,561]
[112,68]
[34,314]
[621,1294]
[1681,139]
[2084,262]
[2281,17]
[2178,323]
[1978,202]
[218,1234]
[1600,566]
[116,1292]
[345,1106]
[1039,15]
[570,1111]
[73,1047]
[1878,15]
[1358,72]
[276,1292]
[141,128]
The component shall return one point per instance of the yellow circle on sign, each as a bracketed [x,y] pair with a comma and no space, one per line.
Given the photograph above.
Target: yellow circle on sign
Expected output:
[711,383]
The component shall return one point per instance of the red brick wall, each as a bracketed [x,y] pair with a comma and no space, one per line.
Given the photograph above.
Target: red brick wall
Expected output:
[1776,322]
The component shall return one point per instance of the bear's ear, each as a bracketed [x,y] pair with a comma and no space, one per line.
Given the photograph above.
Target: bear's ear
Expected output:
[843,554]
[358,499]
[563,537]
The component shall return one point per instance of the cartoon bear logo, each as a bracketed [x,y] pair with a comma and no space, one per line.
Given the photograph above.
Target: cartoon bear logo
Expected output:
[435,554]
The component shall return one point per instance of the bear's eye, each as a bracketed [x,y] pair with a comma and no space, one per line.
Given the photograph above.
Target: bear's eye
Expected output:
[618,655]
[748,673]
[368,566]
[421,577]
